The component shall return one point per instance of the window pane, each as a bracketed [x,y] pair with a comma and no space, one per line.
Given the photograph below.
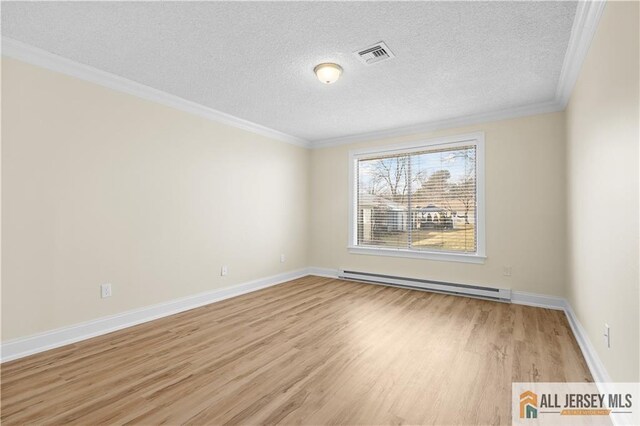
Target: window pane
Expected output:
[383,202]
[443,200]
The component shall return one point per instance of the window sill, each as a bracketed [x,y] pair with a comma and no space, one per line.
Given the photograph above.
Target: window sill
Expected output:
[415,254]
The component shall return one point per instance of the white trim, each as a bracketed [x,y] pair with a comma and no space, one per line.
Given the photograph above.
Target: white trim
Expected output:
[585,24]
[410,146]
[481,226]
[35,56]
[584,28]
[596,366]
[323,272]
[479,256]
[21,347]
[538,300]
[497,294]
[594,363]
[417,254]
[431,126]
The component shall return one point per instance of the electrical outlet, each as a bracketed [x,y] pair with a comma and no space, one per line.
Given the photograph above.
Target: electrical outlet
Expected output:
[506,271]
[283,258]
[224,271]
[607,336]
[105,290]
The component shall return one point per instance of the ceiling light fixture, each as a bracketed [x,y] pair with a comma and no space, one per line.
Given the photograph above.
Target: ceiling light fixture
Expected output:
[328,73]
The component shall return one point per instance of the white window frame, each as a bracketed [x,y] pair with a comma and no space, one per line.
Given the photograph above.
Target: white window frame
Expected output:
[476,139]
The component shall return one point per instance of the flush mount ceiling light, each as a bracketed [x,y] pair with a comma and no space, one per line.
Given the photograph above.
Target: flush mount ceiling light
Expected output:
[328,73]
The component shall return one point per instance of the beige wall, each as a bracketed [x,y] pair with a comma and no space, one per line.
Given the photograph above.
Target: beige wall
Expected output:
[602,139]
[99,186]
[525,209]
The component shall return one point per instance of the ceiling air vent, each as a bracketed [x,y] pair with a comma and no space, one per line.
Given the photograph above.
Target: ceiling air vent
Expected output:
[377,53]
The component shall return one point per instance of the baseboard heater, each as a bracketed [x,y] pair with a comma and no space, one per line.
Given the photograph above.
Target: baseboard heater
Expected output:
[491,293]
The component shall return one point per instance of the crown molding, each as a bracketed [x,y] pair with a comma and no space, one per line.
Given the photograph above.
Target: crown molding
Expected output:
[584,27]
[585,24]
[35,56]
[468,120]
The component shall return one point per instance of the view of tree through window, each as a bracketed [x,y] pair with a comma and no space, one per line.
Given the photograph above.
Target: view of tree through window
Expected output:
[423,200]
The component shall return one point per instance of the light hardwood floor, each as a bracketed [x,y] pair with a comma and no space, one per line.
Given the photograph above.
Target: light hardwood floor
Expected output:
[312,351]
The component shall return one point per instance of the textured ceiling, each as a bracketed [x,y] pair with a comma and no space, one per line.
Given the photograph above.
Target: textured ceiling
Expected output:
[255,60]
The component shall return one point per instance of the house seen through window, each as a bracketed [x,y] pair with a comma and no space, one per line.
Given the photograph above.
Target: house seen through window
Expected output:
[423,199]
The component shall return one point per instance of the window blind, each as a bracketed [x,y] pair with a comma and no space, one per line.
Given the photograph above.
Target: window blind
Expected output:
[423,200]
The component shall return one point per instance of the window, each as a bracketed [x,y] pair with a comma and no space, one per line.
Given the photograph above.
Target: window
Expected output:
[422,199]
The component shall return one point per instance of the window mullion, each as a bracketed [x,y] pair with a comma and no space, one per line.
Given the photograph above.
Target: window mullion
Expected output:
[445,183]
[409,217]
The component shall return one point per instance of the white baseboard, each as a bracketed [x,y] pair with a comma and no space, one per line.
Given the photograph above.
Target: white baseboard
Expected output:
[21,347]
[517,297]
[594,363]
[537,300]
[596,367]
[24,346]
[323,272]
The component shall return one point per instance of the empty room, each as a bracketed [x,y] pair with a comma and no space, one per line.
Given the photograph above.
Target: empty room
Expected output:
[314,213]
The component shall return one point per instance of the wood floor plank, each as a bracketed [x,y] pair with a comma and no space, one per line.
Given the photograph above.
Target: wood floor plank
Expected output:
[311,351]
